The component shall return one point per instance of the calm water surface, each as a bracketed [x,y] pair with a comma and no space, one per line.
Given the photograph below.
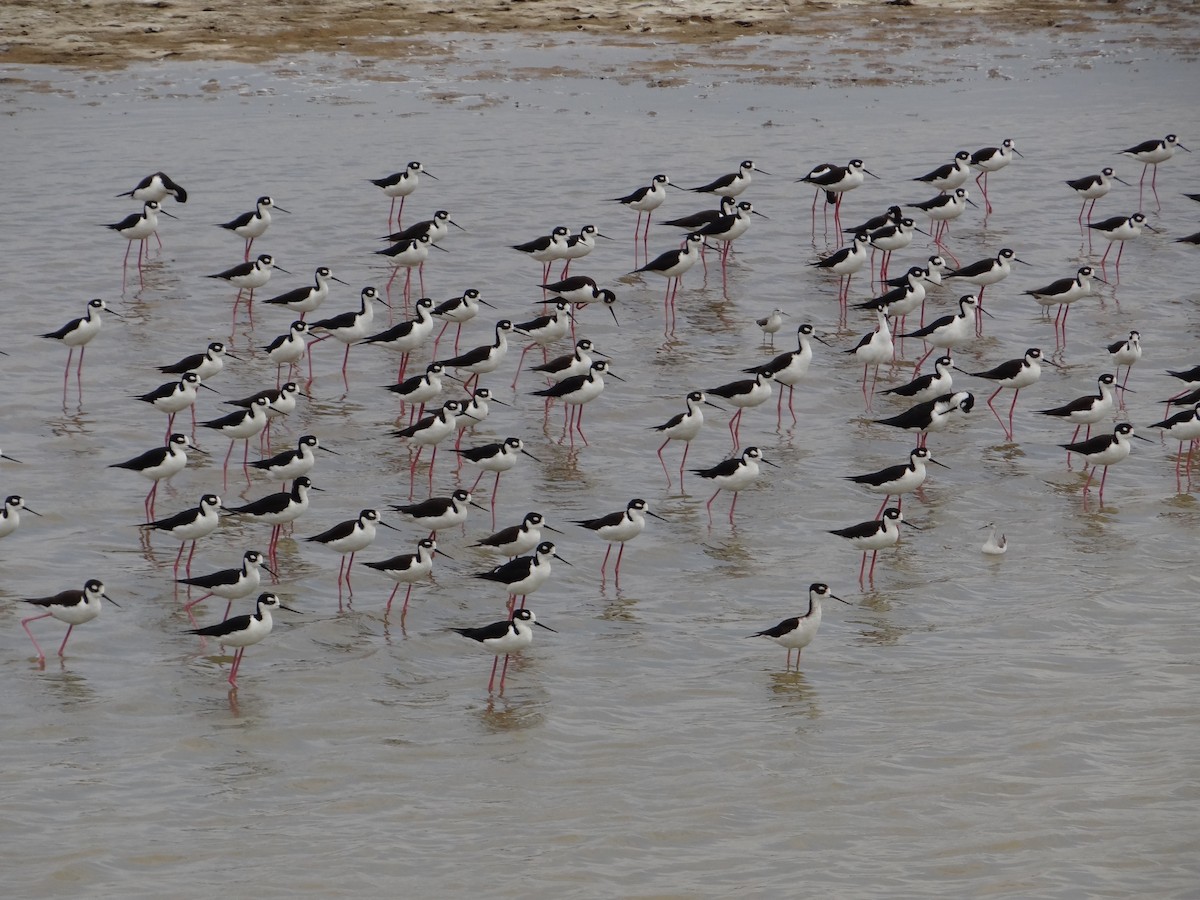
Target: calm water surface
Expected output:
[1022,726]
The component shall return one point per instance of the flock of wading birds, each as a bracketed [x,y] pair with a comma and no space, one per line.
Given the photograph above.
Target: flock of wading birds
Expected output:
[576,379]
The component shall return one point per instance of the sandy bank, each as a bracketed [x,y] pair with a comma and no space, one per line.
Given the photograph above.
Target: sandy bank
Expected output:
[113,33]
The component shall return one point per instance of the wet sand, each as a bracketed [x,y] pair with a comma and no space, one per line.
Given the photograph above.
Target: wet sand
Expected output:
[114,33]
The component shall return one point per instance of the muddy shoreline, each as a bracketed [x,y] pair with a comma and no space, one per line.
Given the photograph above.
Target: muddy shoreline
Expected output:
[107,34]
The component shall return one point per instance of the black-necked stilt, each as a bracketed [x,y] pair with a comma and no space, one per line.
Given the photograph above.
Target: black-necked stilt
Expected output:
[407,336]
[228,584]
[524,574]
[429,431]
[684,427]
[581,291]
[189,526]
[10,513]
[281,401]
[458,311]
[574,392]
[1183,426]
[485,359]
[646,200]
[516,540]
[1183,399]
[1126,353]
[1151,153]
[672,265]
[498,457]
[288,349]
[892,216]
[407,568]
[547,249]
[943,209]
[543,331]
[278,509]
[734,475]
[984,272]
[931,416]
[292,464]
[352,326]
[475,408]
[903,299]
[138,227]
[244,631]
[1190,376]
[1014,374]
[845,262]
[890,238]
[175,396]
[732,184]
[695,220]
[1193,239]
[948,332]
[996,544]
[435,229]
[788,369]
[745,393]
[306,299]
[951,175]
[157,187]
[1093,187]
[253,224]
[78,332]
[577,362]
[874,349]
[834,181]
[601,295]
[438,513]
[871,537]
[248,277]
[992,159]
[1120,229]
[241,425]
[1104,450]
[400,184]
[798,632]
[898,480]
[206,364]
[1062,293]
[728,229]
[408,255]
[159,464]
[418,390]
[576,289]
[347,538]
[618,528]
[926,387]
[581,244]
[73,607]
[930,273]
[771,324]
[1087,410]
[505,637]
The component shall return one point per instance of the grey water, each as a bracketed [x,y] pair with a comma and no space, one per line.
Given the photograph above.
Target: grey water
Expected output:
[967,726]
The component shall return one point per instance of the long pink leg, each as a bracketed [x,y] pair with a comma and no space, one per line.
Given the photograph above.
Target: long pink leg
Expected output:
[492,680]
[504,670]
[663,462]
[25,625]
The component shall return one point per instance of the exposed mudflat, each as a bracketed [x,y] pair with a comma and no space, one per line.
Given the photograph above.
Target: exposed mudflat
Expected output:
[114,33]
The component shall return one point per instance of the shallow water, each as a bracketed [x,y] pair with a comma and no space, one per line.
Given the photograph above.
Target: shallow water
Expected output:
[969,726]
